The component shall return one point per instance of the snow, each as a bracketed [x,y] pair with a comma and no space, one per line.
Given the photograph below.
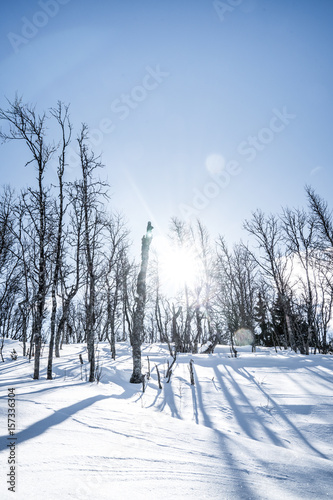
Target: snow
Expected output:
[256,427]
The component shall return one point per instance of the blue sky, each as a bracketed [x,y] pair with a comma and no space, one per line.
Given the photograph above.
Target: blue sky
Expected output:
[199,108]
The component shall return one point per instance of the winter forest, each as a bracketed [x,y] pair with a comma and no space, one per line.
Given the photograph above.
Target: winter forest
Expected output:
[68,275]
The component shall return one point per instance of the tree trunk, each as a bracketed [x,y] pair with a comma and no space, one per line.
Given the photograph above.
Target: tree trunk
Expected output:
[58,253]
[41,279]
[139,311]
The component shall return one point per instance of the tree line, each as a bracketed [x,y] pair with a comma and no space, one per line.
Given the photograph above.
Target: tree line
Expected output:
[66,272]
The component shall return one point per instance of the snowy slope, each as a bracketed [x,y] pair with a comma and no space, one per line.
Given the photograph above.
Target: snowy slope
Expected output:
[256,427]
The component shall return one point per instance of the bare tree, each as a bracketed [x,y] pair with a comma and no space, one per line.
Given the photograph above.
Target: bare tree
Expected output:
[139,312]
[204,288]
[272,261]
[236,275]
[10,272]
[115,272]
[26,125]
[22,236]
[183,315]
[299,237]
[322,218]
[182,239]
[61,115]
[90,192]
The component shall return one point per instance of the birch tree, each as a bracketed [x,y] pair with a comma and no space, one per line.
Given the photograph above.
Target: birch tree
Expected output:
[90,191]
[139,312]
[28,126]
[61,115]
[115,271]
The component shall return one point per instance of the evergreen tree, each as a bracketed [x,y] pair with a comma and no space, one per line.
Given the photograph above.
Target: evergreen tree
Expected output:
[265,337]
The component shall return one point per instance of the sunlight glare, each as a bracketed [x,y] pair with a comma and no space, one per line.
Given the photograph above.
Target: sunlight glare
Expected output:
[178,266]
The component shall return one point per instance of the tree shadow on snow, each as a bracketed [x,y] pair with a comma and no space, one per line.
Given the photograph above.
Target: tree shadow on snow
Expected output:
[246,420]
[46,423]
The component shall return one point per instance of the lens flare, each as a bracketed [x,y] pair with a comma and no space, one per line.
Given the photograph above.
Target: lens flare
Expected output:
[243,336]
[215,164]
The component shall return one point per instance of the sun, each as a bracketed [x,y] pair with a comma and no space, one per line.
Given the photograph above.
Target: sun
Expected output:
[178,266]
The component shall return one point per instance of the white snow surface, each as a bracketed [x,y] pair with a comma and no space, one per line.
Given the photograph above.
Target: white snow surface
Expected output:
[256,427]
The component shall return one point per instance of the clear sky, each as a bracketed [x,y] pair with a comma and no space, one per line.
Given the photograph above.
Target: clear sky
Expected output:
[199,108]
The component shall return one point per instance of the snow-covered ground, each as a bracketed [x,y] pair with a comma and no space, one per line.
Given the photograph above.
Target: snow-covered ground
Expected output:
[256,427]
